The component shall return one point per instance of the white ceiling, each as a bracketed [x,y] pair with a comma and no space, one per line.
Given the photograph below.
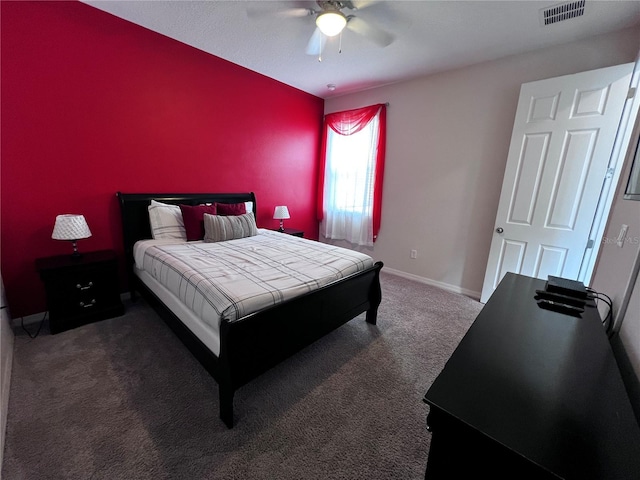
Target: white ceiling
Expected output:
[430,36]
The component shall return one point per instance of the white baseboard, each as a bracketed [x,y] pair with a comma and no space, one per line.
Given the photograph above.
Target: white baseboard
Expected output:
[434,283]
[28,320]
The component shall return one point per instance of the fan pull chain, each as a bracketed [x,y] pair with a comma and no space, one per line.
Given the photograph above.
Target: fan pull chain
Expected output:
[340,44]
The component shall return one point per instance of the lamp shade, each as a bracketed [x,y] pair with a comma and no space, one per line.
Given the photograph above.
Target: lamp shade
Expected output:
[281,212]
[70,227]
[331,23]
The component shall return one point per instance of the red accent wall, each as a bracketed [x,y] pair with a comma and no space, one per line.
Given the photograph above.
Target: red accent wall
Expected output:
[92,104]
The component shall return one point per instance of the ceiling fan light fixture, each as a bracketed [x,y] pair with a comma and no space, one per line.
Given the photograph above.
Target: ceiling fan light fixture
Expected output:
[331,23]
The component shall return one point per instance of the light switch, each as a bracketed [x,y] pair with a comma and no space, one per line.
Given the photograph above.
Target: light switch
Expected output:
[622,235]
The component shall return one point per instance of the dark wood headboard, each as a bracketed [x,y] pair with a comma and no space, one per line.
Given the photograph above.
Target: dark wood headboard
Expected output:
[135,214]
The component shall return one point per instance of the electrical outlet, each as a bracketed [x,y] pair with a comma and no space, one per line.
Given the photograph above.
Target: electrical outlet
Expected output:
[414,254]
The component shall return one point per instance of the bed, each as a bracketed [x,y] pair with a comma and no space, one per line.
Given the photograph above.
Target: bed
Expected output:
[251,343]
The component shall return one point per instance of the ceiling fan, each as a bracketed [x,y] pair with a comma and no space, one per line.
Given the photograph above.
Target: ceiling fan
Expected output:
[331,20]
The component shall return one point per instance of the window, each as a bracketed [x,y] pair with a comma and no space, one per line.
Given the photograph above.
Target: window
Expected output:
[350,190]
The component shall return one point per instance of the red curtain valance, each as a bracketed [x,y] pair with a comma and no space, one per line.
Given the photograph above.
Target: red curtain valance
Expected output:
[351,121]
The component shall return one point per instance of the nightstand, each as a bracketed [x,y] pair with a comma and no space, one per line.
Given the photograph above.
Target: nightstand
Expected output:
[80,291]
[293,231]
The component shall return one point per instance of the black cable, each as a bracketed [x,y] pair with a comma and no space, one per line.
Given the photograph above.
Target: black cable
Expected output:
[607,322]
[39,327]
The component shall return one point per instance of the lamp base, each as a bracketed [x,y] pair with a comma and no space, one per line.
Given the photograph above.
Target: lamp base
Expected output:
[76,255]
[281,229]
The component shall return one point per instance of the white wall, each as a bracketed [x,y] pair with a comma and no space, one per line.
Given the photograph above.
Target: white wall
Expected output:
[6,357]
[630,329]
[447,143]
[614,273]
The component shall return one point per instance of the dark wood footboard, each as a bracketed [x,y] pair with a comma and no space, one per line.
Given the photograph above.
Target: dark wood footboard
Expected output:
[255,343]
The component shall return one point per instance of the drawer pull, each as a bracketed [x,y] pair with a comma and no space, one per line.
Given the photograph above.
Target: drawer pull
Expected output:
[88,305]
[86,287]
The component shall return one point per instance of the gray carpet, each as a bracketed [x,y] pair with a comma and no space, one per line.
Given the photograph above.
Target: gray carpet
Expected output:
[124,399]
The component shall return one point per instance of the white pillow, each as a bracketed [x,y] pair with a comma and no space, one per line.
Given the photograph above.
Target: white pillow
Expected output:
[218,228]
[166,221]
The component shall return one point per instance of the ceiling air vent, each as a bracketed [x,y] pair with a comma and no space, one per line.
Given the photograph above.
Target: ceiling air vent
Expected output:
[561,12]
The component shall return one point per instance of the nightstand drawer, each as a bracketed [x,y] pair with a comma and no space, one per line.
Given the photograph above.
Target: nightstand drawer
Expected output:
[80,291]
[89,288]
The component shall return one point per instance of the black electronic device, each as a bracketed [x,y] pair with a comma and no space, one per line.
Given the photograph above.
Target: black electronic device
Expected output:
[563,295]
[559,298]
[565,286]
[561,308]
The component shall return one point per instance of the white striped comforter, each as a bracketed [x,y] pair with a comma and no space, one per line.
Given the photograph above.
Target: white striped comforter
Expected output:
[228,280]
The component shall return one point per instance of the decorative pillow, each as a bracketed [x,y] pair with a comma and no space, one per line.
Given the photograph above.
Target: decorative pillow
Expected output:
[218,228]
[231,208]
[193,218]
[166,221]
[248,206]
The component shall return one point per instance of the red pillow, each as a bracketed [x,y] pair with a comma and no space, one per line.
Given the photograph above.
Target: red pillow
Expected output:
[231,208]
[193,217]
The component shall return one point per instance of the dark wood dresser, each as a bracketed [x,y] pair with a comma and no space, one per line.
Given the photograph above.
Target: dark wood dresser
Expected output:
[80,290]
[531,394]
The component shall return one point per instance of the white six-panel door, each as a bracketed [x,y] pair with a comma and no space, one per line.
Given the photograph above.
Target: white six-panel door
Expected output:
[561,144]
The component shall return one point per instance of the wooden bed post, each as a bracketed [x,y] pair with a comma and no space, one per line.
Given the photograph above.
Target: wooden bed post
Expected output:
[375,296]
[226,387]
[226,404]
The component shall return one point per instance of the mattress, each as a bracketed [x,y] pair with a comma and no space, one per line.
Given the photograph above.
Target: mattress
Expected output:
[207,283]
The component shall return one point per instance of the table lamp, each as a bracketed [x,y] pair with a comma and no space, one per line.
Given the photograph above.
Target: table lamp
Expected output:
[72,228]
[280,213]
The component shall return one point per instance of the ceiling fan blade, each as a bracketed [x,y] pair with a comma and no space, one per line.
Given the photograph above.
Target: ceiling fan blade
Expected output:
[375,34]
[316,43]
[360,4]
[261,12]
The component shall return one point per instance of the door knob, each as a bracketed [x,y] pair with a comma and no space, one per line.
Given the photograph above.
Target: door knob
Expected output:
[499,230]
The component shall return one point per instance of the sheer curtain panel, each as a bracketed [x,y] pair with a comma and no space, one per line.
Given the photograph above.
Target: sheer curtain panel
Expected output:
[350,190]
